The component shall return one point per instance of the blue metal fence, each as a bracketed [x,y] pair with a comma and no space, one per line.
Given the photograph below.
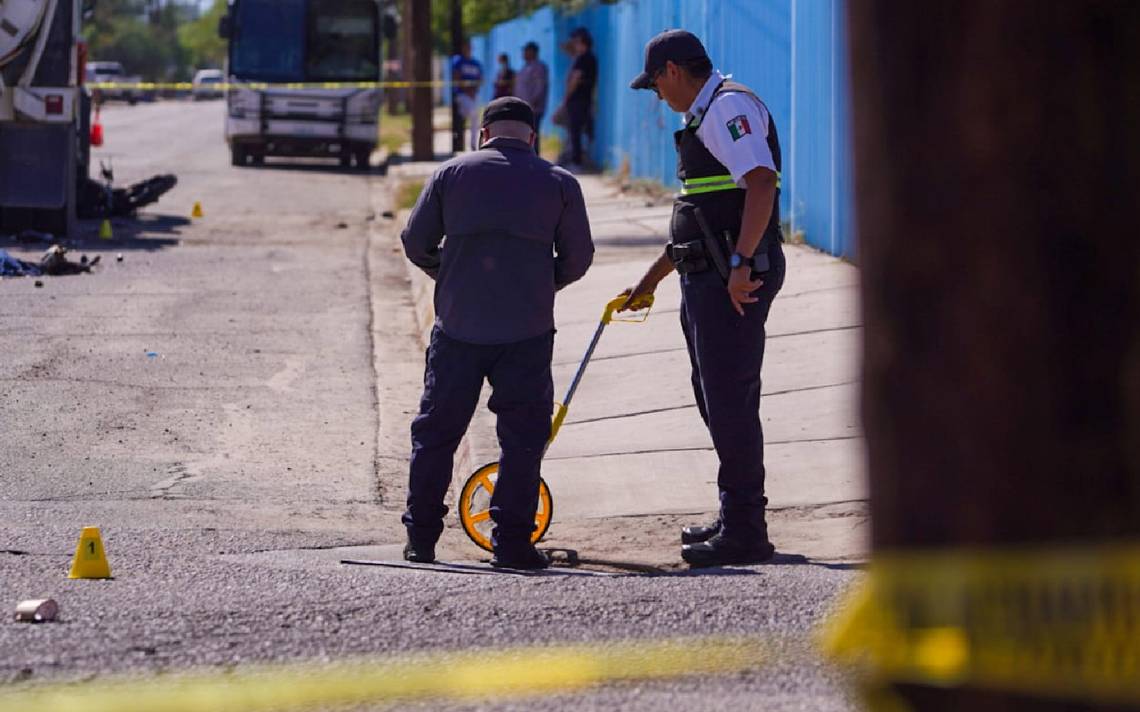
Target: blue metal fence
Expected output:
[791,52]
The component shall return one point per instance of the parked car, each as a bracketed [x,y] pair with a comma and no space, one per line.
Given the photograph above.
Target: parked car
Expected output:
[112,72]
[207,84]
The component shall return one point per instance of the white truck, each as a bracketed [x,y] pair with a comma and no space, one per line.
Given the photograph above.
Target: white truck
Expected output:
[44,112]
[283,51]
[112,72]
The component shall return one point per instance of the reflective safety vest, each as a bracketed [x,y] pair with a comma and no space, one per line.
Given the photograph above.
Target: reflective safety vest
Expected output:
[706,183]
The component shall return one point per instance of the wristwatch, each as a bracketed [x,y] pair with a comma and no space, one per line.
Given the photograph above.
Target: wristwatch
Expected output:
[738,259]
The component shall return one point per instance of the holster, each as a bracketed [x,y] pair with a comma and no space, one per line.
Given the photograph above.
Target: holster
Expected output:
[687,257]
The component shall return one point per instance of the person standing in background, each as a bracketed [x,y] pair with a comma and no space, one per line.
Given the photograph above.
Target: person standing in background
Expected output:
[578,103]
[532,85]
[505,79]
[467,76]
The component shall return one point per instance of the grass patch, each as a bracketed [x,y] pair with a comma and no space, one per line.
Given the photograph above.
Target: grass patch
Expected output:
[395,131]
[407,192]
[550,147]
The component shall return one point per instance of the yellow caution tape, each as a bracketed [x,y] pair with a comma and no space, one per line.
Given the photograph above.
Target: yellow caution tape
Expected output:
[1061,623]
[468,675]
[262,86]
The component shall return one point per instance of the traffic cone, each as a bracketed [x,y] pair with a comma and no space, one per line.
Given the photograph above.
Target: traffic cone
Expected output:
[97,130]
[90,560]
[197,211]
[105,230]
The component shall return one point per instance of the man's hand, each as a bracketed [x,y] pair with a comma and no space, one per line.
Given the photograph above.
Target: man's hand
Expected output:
[741,286]
[633,293]
[661,268]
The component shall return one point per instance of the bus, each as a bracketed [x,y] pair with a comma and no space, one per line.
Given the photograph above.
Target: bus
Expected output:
[302,42]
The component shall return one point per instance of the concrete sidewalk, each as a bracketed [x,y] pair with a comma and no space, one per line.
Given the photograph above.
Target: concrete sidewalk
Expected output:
[634,461]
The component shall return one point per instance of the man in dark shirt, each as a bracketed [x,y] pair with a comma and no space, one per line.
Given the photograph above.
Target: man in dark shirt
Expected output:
[516,232]
[579,99]
[505,79]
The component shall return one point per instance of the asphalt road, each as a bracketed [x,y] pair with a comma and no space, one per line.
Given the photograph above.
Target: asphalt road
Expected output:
[265,439]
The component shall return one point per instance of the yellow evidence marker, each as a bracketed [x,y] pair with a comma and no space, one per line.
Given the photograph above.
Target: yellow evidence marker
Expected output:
[197,211]
[90,559]
[105,230]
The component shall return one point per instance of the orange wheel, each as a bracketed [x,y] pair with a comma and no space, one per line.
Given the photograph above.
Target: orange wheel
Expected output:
[475,507]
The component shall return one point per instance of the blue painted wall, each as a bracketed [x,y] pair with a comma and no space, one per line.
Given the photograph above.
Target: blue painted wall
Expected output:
[791,52]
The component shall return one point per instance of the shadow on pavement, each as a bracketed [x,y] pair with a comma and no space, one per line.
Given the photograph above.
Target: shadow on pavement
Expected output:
[336,168]
[148,232]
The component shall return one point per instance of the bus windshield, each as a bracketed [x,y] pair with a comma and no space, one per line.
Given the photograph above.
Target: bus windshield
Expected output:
[344,41]
[305,41]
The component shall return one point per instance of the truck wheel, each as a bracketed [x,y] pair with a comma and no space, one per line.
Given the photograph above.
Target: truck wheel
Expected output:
[237,156]
[363,156]
[132,99]
[345,160]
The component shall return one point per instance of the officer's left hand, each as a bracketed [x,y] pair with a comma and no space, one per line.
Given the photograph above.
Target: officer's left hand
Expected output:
[741,286]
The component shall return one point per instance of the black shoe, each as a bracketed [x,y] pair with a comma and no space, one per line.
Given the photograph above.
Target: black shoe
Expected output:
[719,551]
[528,558]
[419,553]
[696,534]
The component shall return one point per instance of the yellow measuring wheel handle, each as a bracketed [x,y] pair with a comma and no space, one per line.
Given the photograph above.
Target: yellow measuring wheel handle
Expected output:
[642,304]
[475,507]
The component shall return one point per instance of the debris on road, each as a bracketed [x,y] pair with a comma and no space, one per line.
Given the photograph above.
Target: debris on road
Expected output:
[39,610]
[13,267]
[55,262]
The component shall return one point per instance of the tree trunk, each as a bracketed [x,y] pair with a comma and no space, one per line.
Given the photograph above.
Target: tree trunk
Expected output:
[457,127]
[996,166]
[419,14]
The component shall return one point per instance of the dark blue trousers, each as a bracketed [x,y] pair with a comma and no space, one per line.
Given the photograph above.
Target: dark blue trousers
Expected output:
[726,351]
[522,398]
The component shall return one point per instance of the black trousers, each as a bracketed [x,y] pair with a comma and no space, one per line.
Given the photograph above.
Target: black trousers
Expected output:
[726,352]
[522,398]
[579,116]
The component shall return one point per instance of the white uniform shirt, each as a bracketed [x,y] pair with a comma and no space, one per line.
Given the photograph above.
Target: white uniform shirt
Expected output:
[734,129]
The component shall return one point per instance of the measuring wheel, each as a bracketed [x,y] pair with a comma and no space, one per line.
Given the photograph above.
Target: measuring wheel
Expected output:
[475,507]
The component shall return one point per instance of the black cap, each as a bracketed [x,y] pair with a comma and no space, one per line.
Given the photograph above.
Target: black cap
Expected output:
[531,45]
[670,45]
[508,108]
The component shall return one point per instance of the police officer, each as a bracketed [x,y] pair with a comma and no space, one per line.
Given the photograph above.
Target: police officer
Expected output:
[725,242]
[517,231]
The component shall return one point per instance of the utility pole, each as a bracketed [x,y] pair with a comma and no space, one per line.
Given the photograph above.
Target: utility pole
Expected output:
[419,15]
[996,181]
[457,127]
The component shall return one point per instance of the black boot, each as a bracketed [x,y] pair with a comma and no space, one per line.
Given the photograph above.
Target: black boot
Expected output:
[419,552]
[526,558]
[697,533]
[719,551]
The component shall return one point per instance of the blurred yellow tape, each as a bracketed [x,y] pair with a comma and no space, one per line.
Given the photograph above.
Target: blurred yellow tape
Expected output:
[262,86]
[466,675]
[1056,623]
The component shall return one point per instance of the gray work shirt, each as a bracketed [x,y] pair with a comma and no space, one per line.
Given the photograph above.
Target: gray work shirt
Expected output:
[516,231]
[531,85]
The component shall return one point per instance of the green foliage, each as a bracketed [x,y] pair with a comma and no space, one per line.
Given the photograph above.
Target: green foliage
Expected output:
[200,38]
[143,35]
[479,16]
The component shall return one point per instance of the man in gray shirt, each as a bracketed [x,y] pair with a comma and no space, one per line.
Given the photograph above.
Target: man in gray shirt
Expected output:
[516,232]
[532,84]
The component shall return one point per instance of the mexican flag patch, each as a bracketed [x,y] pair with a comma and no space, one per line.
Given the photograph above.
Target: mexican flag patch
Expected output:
[739,127]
